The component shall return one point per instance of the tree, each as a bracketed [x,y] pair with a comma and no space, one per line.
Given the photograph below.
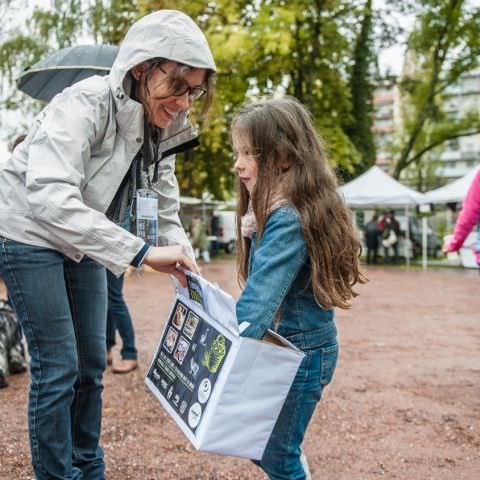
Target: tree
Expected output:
[360,128]
[269,48]
[109,21]
[303,48]
[443,46]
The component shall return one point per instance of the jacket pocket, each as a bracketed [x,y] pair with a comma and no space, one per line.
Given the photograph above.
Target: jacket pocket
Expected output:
[328,362]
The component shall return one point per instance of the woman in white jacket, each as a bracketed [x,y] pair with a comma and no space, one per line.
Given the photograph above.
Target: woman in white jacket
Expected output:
[63,196]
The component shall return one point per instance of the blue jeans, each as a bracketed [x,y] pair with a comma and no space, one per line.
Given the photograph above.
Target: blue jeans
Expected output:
[62,306]
[118,318]
[282,457]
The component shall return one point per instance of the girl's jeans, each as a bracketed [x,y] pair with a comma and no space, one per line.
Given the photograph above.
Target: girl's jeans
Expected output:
[118,318]
[282,457]
[62,306]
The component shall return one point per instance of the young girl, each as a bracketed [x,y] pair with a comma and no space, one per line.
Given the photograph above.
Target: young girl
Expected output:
[297,256]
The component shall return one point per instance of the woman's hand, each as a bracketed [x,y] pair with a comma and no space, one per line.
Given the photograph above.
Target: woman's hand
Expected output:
[172,259]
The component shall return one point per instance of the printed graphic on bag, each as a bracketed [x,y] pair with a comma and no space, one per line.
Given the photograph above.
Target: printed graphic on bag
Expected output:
[194,415]
[185,372]
[181,351]
[179,316]
[170,339]
[214,356]
[195,290]
[190,325]
[204,390]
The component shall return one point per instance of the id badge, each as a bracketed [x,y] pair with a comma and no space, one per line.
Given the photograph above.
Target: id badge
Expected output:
[147,216]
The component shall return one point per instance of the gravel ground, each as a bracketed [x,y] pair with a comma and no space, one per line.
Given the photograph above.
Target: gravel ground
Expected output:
[404,404]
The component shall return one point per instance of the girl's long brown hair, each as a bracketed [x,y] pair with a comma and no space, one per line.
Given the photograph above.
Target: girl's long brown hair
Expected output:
[293,165]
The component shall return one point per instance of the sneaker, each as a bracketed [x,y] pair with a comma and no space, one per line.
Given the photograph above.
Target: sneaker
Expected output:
[125,366]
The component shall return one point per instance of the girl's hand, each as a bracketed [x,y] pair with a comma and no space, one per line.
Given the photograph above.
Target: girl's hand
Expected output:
[172,259]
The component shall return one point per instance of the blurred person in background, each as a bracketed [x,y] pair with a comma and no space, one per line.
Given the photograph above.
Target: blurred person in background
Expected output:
[119,319]
[467,219]
[390,237]
[200,240]
[373,234]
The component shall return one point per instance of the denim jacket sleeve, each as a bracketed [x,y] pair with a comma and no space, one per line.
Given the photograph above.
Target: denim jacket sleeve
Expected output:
[274,265]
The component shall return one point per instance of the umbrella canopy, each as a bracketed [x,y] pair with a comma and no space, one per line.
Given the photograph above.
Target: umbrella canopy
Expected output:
[375,188]
[454,191]
[65,67]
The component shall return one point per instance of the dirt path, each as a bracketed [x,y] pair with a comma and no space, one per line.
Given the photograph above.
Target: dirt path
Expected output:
[405,402]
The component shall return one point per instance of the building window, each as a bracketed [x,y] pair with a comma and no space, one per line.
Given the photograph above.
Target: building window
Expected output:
[454,144]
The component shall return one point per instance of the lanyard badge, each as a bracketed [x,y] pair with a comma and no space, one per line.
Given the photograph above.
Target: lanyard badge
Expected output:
[147,216]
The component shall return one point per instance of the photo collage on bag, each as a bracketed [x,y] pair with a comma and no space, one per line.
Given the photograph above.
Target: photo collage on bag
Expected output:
[188,362]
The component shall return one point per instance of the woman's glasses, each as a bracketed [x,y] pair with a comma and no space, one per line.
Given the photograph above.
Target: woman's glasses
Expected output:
[179,88]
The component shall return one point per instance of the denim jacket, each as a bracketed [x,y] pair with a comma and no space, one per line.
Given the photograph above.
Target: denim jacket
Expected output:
[279,281]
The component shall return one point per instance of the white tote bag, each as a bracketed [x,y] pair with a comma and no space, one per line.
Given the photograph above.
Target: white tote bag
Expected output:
[224,391]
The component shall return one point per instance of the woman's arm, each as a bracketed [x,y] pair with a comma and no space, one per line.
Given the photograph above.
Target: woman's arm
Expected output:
[58,154]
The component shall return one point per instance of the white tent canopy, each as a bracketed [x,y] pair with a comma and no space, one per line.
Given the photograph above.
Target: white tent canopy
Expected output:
[454,191]
[375,188]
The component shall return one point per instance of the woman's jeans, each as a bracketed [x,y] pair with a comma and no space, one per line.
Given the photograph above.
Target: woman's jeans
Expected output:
[118,318]
[62,306]
[282,459]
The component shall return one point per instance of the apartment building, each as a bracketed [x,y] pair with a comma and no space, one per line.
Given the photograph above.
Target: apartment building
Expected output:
[461,154]
[456,157]
[386,120]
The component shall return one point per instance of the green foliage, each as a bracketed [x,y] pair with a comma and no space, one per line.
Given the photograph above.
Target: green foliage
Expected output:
[109,22]
[60,24]
[271,48]
[9,54]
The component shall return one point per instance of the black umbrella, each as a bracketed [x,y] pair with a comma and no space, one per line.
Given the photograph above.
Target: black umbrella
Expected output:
[65,67]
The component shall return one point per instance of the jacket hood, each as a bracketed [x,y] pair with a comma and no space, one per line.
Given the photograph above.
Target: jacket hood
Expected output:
[168,34]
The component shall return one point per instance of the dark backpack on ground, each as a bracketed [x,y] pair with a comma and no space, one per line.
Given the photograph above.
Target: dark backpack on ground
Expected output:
[12,353]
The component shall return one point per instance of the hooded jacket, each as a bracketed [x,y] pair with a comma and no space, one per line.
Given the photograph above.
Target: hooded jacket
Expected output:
[59,182]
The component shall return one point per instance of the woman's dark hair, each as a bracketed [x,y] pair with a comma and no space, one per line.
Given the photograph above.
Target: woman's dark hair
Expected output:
[293,165]
[17,142]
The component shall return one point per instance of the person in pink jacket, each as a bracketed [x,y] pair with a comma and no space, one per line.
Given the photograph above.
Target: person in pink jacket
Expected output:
[469,217]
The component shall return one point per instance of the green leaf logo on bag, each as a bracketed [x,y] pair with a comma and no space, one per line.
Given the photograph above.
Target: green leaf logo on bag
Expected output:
[213,357]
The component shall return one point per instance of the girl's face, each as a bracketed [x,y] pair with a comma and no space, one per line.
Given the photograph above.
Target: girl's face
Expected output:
[246,164]
[162,105]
